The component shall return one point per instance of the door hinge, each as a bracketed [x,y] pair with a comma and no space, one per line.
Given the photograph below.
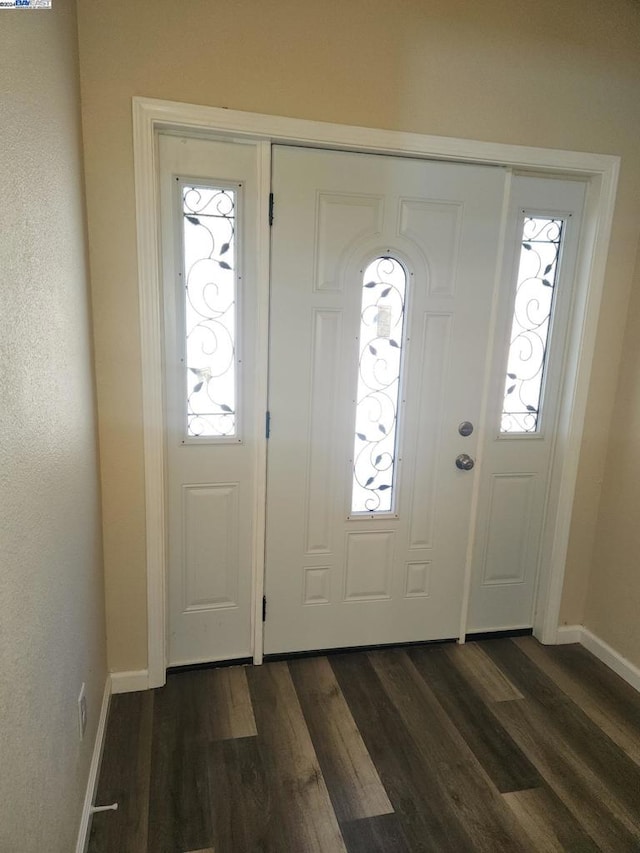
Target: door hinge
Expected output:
[264,608]
[267,424]
[270,208]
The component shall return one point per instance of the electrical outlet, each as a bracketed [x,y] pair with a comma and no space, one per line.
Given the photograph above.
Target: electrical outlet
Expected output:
[82,711]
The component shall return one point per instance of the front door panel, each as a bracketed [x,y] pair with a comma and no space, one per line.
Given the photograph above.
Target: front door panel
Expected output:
[343,570]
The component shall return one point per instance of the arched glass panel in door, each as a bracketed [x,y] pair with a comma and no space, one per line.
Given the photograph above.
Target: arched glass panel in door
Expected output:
[380,340]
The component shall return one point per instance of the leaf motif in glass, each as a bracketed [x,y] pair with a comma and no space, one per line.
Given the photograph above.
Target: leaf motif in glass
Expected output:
[210,284]
[532,315]
[378,391]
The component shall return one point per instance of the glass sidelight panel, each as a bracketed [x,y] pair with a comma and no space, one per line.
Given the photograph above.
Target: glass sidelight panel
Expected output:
[210,279]
[532,318]
[380,359]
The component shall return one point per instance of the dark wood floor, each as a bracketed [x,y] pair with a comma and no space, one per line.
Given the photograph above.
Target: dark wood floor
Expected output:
[503,745]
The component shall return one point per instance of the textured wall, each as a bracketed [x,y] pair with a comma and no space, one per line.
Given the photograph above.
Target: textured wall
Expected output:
[51,587]
[559,75]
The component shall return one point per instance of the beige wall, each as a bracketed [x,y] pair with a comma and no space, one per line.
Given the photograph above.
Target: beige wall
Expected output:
[612,608]
[561,75]
[51,588]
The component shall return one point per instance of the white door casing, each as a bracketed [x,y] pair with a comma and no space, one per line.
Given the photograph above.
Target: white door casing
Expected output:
[152,117]
[210,483]
[335,578]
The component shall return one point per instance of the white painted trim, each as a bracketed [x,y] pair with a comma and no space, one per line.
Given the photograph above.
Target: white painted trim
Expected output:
[613,659]
[603,651]
[598,217]
[184,117]
[150,116]
[568,634]
[94,770]
[149,267]
[129,682]
[261,393]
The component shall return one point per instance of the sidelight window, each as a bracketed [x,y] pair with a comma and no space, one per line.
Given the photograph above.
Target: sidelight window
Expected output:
[532,319]
[210,280]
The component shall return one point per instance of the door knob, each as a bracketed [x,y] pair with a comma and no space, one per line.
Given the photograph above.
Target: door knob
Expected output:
[464,462]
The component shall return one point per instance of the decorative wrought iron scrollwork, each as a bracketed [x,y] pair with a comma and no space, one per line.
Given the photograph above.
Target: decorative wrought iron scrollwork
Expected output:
[210,281]
[535,291]
[380,352]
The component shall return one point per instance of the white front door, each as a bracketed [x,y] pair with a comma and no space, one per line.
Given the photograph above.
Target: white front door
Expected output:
[383,280]
[209,211]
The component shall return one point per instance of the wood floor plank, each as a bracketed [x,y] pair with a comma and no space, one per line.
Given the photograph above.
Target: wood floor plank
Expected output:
[125,776]
[548,823]
[480,670]
[353,782]
[590,744]
[221,704]
[230,713]
[306,815]
[612,704]
[605,681]
[179,807]
[243,817]
[478,807]
[577,787]
[500,758]
[224,761]
[428,816]
[381,834]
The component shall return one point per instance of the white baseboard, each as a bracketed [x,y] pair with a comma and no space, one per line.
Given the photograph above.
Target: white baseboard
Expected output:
[94,770]
[569,634]
[613,659]
[129,682]
[603,651]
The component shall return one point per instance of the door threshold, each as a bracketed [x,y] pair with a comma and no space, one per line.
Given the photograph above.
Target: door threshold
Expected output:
[345,650]
[498,635]
[212,664]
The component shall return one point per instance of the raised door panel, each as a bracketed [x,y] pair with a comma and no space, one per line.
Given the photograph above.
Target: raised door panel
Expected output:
[210,538]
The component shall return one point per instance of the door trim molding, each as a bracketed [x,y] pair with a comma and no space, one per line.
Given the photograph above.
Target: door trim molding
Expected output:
[150,116]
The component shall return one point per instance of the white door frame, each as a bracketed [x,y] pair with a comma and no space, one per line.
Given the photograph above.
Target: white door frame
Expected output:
[151,116]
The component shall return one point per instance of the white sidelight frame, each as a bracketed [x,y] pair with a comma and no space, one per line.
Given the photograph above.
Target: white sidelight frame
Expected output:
[151,116]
